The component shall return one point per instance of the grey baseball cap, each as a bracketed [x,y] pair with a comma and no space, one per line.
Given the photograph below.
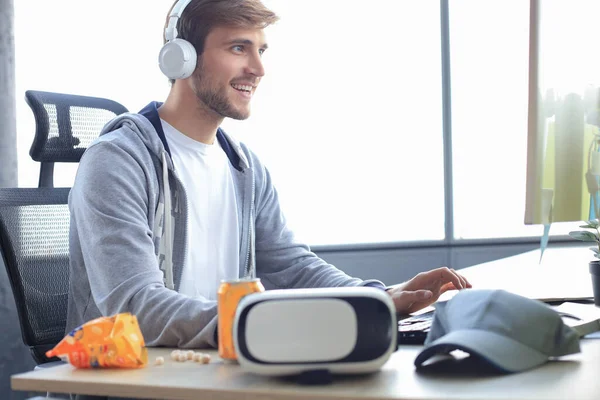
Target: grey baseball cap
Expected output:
[510,332]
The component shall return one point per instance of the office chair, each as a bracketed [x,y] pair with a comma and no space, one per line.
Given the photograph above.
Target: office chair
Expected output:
[66,124]
[34,239]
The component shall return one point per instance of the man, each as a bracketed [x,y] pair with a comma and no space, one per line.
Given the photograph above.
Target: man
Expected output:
[165,204]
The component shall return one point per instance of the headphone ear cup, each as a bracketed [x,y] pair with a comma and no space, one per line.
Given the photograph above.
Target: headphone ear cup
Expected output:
[177,59]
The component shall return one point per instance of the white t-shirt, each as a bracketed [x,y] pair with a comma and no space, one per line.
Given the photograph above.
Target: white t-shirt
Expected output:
[212,229]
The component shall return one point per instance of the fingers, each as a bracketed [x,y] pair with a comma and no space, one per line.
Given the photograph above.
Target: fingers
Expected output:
[449,275]
[436,281]
[465,284]
[404,300]
[446,287]
[468,284]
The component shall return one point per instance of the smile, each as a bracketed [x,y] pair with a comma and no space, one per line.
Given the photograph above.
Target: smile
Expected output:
[242,88]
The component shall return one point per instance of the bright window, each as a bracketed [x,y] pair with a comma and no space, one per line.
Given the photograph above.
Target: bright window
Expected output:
[489,66]
[349,119]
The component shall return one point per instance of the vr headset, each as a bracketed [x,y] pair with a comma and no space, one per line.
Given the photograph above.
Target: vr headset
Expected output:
[348,330]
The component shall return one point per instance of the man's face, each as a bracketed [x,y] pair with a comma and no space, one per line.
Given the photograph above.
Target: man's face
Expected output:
[229,70]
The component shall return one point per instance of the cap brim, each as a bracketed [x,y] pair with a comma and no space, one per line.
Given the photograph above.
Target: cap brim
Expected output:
[502,352]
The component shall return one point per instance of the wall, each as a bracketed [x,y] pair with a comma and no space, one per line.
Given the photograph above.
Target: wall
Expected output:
[8,135]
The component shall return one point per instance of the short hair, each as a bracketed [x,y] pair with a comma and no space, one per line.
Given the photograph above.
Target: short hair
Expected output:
[201,16]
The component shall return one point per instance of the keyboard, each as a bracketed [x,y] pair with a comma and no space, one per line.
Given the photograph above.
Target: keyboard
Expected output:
[414,329]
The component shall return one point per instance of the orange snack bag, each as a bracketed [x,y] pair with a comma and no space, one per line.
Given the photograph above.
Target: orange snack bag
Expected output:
[105,342]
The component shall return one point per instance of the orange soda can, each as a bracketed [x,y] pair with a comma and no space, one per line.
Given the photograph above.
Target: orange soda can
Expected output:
[229,295]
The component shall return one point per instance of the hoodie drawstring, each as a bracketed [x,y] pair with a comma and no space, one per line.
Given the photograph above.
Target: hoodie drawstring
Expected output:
[168,234]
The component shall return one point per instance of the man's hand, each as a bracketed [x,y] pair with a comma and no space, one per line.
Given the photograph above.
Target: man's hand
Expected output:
[425,288]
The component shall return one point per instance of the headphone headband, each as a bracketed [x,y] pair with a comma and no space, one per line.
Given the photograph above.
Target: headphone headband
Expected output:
[176,11]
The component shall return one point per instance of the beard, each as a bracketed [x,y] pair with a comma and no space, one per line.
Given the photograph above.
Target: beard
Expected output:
[215,98]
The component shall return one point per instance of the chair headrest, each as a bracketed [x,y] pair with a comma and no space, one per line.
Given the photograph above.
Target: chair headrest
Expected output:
[66,124]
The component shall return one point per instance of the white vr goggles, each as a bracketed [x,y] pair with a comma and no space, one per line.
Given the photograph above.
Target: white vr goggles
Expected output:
[338,330]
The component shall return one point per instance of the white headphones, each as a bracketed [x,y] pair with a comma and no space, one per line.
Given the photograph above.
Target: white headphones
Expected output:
[177,58]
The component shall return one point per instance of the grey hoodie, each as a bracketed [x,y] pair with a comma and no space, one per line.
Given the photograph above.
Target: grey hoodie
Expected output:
[128,235]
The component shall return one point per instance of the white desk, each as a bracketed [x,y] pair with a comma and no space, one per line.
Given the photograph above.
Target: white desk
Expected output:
[573,377]
[562,274]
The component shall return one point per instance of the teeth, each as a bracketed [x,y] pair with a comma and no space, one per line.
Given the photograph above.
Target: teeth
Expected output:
[246,88]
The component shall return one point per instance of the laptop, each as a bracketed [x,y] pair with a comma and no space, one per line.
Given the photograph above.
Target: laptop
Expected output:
[414,329]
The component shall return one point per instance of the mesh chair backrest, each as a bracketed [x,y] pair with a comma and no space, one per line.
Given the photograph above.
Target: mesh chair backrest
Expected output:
[34,238]
[66,124]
